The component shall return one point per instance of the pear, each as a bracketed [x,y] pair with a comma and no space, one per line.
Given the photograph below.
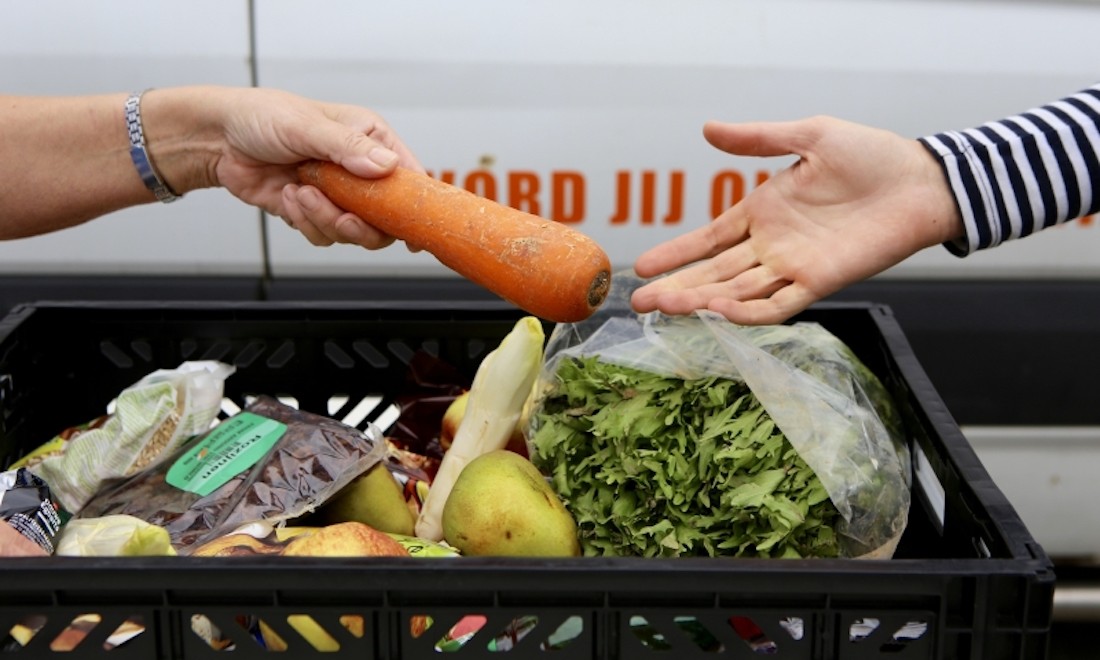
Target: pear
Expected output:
[501,505]
[348,539]
[373,498]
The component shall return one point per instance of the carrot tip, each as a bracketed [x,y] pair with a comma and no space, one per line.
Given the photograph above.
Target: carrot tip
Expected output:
[599,288]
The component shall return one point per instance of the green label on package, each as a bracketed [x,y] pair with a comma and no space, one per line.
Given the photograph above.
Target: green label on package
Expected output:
[229,449]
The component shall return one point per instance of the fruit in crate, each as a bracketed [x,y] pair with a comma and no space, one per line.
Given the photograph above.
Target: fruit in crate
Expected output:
[374,499]
[501,505]
[348,539]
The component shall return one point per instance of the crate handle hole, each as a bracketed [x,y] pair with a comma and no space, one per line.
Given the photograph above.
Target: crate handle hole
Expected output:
[700,634]
[354,624]
[313,632]
[861,629]
[131,628]
[24,630]
[910,632]
[209,632]
[513,633]
[649,636]
[461,633]
[569,630]
[753,635]
[73,634]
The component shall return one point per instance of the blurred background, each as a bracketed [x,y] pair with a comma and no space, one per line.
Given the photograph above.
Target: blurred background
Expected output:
[591,113]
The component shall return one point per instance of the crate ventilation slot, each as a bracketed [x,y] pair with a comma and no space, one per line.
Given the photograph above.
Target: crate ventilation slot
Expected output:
[473,629]
[353,412]
[870,630]
[75,633]
[786,632]
[293,632]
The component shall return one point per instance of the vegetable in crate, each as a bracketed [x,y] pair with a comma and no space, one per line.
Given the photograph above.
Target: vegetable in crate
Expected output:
[498,398]
[270,462]
[679,436]
[544,267]
[659,466]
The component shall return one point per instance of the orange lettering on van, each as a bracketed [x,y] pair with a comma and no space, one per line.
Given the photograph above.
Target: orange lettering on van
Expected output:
[622,197]
[523,191]
[675,198]
[566,207]
[726,189]
[481,183]
[649,196]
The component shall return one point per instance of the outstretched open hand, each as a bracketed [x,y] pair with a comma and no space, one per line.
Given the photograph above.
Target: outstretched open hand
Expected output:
[858,201]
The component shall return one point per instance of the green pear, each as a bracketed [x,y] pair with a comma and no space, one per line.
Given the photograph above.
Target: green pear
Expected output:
[501,505]
[375,499]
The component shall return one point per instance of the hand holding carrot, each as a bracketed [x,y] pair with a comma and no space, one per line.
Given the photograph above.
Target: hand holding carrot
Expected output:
[67,160]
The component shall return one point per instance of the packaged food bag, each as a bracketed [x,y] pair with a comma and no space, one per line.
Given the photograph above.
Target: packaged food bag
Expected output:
[150,420]
[270,462]
[690,435]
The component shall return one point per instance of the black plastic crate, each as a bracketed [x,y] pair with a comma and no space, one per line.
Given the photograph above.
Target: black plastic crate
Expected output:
[967,581]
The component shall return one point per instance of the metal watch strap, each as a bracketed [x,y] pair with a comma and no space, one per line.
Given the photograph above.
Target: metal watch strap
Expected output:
[139,154]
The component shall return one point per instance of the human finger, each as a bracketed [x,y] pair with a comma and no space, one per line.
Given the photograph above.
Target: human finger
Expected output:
[753,283]
[776,308]
[295,216]
[336,224]
[350,146]
[762,139]
[389,138]
[727,230]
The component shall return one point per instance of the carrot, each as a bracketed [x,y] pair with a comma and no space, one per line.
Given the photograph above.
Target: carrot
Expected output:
[543,267]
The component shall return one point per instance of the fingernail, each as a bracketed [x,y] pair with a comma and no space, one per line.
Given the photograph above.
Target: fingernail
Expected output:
[349,230]
[382,157]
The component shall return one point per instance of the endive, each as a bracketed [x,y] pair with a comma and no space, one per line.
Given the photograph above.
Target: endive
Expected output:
[501,386]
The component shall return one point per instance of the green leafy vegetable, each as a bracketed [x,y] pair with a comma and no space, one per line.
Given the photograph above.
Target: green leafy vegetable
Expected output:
[657,466]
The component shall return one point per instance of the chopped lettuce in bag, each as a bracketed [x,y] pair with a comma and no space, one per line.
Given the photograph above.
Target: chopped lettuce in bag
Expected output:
[690,436]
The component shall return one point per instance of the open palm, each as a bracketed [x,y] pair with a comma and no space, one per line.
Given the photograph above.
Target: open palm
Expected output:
[857,201]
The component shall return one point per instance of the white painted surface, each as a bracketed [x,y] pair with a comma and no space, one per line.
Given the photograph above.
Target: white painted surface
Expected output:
[597,89]
[68,47]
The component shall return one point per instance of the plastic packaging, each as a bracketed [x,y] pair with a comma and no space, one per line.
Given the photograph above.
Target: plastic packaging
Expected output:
[150,420]
[270,462]
[832,409]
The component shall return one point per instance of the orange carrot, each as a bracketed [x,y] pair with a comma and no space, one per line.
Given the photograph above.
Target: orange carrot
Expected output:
[543,267]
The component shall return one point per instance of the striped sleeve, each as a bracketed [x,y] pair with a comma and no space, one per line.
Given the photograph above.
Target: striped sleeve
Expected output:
[1024,173]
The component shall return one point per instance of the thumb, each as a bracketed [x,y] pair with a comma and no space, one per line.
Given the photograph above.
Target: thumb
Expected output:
[760,138]
[351,147]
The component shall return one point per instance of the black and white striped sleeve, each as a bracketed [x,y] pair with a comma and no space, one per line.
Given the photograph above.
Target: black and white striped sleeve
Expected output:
[1020,174]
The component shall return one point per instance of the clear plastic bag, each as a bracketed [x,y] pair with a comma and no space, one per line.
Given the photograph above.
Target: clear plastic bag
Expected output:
[836,414]
[149,421]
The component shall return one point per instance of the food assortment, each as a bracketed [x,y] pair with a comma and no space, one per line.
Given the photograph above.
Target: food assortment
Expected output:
[619,436]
